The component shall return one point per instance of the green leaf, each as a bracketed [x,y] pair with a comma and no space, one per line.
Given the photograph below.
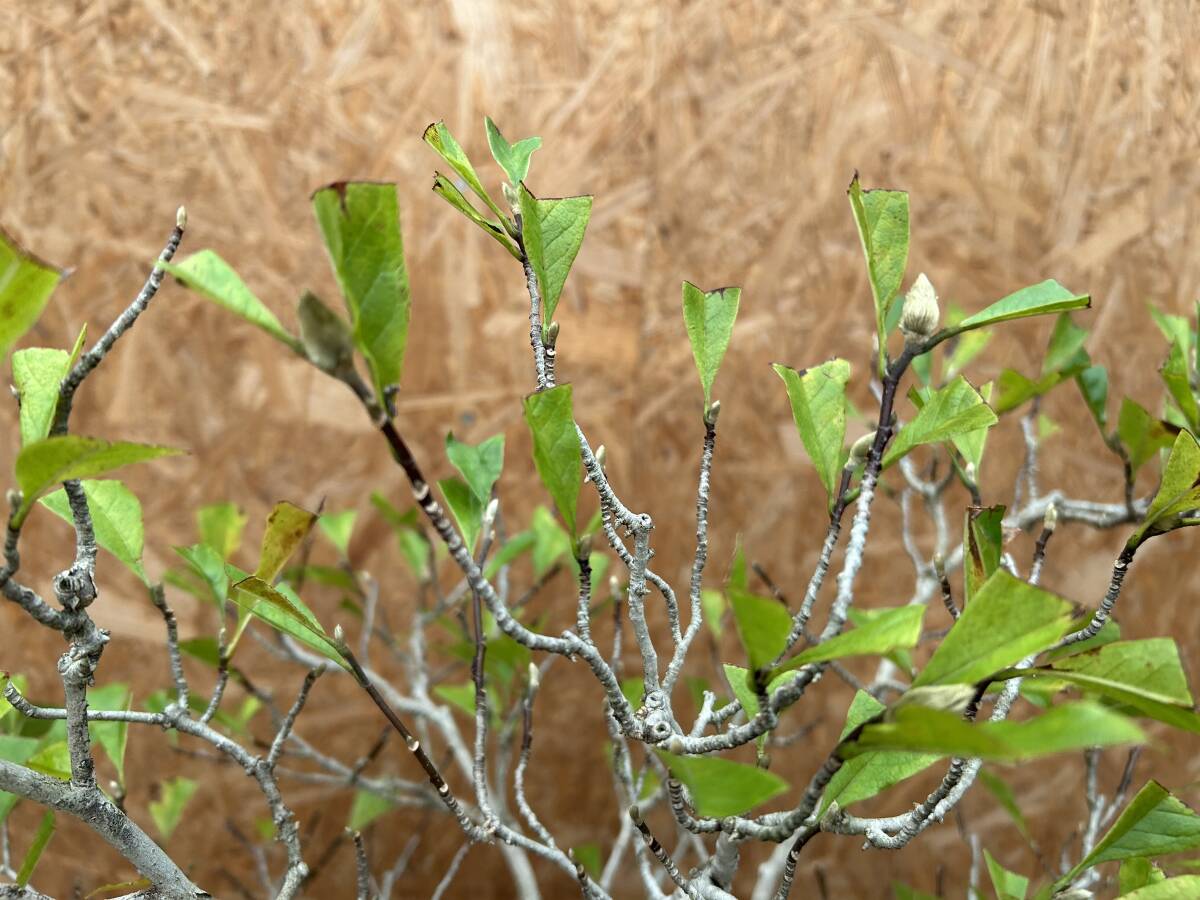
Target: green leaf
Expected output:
[1036,300]
[1007,885]
[904,892]
[891,629]
[209,567]
[882,220]
[983,539]
[741,683]
[1182,887]
[37,375]
[360,222]
[556,448]
[460,696]
[1176,376]
[870,774]
[287,527]
[552,232]
[762,625]
[438,137]
[954,410]
[209,275]
[1004,795]
[720,787]
[285,613]
[338,527]
[53,460]
[1093,384]
[1007,620]
[167,810]
[116,519]
[480,464]
[709,318]
[41,838]
[1178,493]
[26,283]
[589,856]
[1138,872]
[111,736]
[366,808]
[221,526]
[971,444]
[464,507]
[712,602]
[1141,433]
[53,760]
[818,398]
[1072,726]
[550,541]
[966,348]
[1153,824]
[1065,351]
[445,189]
[513,158]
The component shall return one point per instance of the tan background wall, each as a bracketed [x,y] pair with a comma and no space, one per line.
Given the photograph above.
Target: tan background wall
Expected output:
[1037,140]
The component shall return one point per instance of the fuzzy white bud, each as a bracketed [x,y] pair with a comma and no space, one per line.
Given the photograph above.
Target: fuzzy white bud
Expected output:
[552,334]
[339,635]
[1050,519]
[713,411]
[535,677]
[951,698]
[921,314]
[601,456]
[181,218]
[860,449]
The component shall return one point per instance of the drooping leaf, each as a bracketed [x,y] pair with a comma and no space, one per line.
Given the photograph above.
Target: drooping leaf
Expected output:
[882,220]
[1007,620]
[1072,726]
[221,526]
[1153,823]
[116,519]
[360,222]
[438,137]
[869,774]
[285,612]
[26,283]
[818,399]
[1093,384]
[556,448]
[208,274]
[513,158]
[37,847]
[709,317]
[338,527]
[167,811]
[721,787]
[287,527]
[444,188]
[956,409]
[891,629]
[37,375]
[1007,885]
[1178,493]
[1036,300]
[983,541]
[49,462]
[479,464]
[552,232]
[762,625]
[366,808]
[1141,433]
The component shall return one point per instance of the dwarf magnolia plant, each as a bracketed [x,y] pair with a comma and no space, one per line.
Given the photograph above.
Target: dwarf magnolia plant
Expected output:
[971,673]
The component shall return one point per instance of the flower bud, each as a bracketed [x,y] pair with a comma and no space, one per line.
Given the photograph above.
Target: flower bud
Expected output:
[181,218]
[860,449]
[920,317]
[951,698]
[551,335]
[1050,519]
[326,336]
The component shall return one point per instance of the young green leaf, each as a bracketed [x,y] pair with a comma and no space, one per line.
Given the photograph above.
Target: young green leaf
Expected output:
[712,602]
[1138,872]
[52,759]
[1153,824]
[869,774]
[37,847]
[360,222]
[1141,433]
[882,220]
[479,464]
[1065,352]
[366,808]
[444,188]
[1007,885]
[287,526]
[552,233]
[818,398]
[209,275]
[556,448]
[207,565]
[438,137]
[111,736]
[26,283]
[721,787]
[954,410]
[1177,378]
[167,810]
[513,158]
[116,520]
[464,507]
[1093,384]
[221,526]
[999,788]
[37,375]
[1007,620]
[284,613]
[1036,300]
[965,349]
[742,684]
[338,527]
[1072,726]
[762,625]
[891,629]
[983,540]
[709,317]
[1178,492]
[51,461]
